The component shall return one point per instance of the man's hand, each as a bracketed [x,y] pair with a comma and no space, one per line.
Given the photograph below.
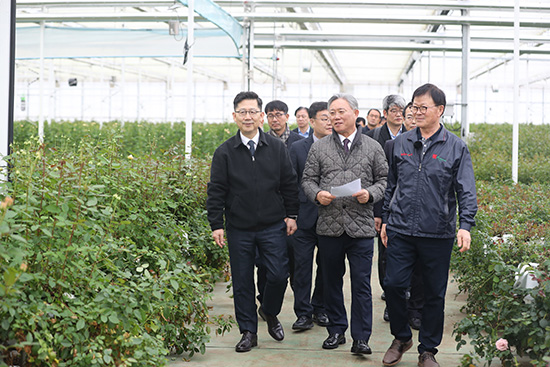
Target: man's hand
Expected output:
[463,240]
[218,237]
[384,236]
[325,197]
[291,226]
[377,224]
[362,196]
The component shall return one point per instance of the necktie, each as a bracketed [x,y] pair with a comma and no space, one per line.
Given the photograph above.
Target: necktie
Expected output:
[346,147]
[252,149]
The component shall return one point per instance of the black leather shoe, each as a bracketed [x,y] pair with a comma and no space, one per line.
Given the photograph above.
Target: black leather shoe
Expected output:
[248,341]
[415,323]
[274,327]
[303,323]
[360,347]
[386,314]
[321,319]
[333,341]
[261,312]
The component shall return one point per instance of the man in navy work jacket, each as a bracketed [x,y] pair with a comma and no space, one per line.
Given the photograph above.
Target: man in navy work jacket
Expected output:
[252,183]
[308,309]
[346,223]
[430,169]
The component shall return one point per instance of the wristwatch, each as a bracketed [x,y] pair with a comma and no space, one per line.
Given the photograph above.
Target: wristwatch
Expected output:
[295,217]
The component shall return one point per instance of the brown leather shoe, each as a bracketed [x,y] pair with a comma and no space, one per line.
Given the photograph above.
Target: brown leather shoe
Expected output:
[427,359]
[395,352]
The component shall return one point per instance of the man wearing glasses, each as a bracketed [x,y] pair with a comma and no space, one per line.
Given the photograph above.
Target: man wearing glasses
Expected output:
[277,118]
[253,190]
[430,170]
[308,308]
[345,224]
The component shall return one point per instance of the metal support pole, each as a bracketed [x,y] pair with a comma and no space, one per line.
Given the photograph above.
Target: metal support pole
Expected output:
[515,132]
[190,106]
[465,75]
[7,74]
[41,96]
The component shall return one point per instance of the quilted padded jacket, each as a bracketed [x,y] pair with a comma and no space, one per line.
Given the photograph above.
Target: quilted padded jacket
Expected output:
[327,166]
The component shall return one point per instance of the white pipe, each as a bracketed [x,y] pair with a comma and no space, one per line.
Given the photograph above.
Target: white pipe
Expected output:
[190,107]
[41,96]
[515,134]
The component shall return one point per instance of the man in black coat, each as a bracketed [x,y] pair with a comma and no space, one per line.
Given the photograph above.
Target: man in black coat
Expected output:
[253,187]
[308,309]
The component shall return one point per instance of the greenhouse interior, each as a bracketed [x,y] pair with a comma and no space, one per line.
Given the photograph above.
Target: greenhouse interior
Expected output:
[113,116]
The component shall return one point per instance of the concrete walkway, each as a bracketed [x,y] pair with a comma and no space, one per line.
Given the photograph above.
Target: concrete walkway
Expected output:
[304,348]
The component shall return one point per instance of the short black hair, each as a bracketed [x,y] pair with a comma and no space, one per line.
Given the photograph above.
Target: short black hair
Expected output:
[276,105]
[301,108]
[246,95]
[316,107]
[437,94]
[407,106]
[361,120]
[374,109]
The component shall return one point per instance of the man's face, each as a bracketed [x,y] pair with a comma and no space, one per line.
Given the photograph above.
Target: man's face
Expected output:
[321,124]
[427,113]
[394,116]
[248,117]
[410,122]
[343,117]
[277,121]
[373,119]
[302,119]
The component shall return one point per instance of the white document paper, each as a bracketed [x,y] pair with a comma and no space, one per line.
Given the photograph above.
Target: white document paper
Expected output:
[347,189]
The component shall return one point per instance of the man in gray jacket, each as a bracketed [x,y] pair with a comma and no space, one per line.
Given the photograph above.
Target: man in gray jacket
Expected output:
[346,223]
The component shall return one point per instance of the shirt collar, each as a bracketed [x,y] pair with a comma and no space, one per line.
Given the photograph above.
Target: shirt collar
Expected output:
[350,138]
[255,139]
[398,132]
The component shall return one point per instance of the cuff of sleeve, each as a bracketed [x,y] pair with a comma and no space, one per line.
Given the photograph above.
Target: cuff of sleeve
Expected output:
[370,197]
[466,226]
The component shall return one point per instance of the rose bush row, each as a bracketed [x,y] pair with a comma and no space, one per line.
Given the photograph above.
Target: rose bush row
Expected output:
[105,257]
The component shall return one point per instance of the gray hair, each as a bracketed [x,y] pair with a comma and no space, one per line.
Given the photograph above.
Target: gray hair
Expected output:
[393,100]
[348,97]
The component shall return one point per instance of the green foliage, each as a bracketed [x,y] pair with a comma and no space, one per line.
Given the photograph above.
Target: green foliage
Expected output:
[491,149]
[106,258]
[133,137]
[513,228]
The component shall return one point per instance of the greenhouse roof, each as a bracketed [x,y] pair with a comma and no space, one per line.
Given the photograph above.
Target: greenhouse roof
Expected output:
[340,42]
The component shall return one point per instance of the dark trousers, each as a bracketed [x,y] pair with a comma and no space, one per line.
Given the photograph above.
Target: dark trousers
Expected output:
[433,255]
[261,271]
[416,301]
[272,249]
[333,251]
[304,243]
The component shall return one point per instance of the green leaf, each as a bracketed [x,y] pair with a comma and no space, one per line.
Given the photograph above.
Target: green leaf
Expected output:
[80,324]
[114,318]
[10,276]
[92,201]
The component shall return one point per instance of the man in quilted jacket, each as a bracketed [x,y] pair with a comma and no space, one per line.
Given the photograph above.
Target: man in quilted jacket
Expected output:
[346,223]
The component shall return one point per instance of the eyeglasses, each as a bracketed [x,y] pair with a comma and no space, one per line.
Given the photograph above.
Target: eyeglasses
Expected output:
[243,113]
[396,111]
[422,109]
[275,115]
[337,112]
[324,119]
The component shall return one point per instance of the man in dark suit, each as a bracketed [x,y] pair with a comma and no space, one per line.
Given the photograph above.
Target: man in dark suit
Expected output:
[302,119]
[393,106]
[308,309]
[277,118]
